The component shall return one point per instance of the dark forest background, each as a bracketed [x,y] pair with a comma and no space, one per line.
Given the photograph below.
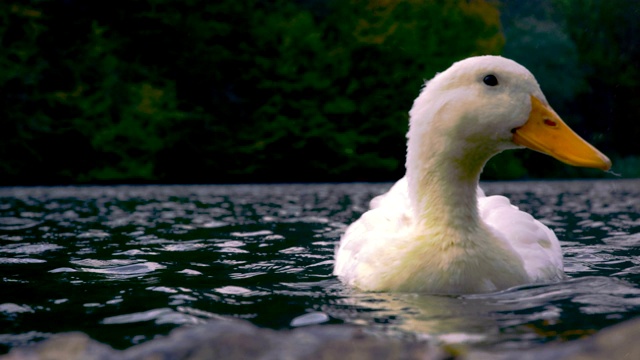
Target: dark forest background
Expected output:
[195,91]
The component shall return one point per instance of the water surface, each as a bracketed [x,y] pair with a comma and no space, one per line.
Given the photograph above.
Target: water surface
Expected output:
[126,264]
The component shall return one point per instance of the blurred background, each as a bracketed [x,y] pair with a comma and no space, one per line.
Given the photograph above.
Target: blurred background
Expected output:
[226,91]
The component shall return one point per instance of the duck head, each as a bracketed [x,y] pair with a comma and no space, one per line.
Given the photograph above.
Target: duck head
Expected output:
[483,105]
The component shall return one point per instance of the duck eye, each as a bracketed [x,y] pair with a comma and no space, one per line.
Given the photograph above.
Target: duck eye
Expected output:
[490,80]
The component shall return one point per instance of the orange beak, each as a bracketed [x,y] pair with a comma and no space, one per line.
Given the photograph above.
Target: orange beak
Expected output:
[545,132]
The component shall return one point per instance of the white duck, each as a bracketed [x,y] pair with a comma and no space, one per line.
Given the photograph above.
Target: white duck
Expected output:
[435,231]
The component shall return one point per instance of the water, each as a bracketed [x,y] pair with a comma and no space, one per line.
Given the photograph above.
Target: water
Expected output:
[126,264]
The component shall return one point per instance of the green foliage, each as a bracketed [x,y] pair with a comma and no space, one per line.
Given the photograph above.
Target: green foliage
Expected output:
[585,54]
[606,35]
[184,91]
[75,111]
[227,91]
[627,167]
[538,41]
[504,166]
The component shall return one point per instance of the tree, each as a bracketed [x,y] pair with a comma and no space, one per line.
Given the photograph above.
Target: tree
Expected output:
[607,36]
[197,91]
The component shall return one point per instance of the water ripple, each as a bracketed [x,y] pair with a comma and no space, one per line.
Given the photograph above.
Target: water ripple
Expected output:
[158,316]
[29,249]
[9,308]
[184,254]
[252,233]
[632,240]
[14,223]
[20,261]
[312,318]
[119,269]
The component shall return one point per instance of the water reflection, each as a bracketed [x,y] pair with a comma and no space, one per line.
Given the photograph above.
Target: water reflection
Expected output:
[505,319]
[128,263]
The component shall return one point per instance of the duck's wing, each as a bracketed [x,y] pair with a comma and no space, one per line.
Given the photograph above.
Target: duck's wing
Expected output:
[533,241]
[396,197]
[389,213]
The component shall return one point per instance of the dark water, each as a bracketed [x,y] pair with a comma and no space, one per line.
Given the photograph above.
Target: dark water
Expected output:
[126,264]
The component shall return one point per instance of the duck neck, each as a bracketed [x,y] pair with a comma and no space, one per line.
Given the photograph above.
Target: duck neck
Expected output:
[443,185]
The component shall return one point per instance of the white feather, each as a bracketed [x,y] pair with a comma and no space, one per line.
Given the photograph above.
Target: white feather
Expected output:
[434,230]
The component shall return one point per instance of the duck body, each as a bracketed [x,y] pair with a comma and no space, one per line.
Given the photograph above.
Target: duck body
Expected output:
[435,231]
[387,249]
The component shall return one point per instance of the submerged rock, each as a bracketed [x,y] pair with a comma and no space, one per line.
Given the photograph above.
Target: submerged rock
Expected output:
[237,339]
[615,342]
[68,346]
